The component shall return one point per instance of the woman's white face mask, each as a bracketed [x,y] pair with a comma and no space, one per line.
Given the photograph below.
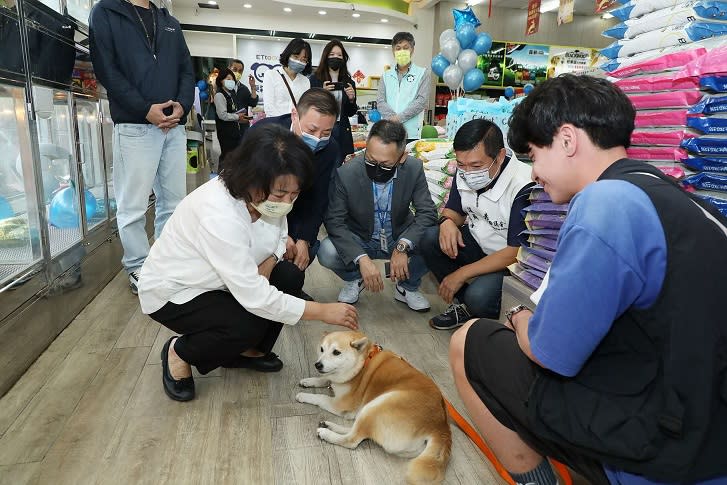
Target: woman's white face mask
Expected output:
[273,209]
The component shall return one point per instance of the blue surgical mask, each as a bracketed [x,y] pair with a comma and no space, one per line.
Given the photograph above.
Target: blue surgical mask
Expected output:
[296,66]
[314,143]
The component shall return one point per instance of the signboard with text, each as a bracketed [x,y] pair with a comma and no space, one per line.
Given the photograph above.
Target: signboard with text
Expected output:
[533,19]
[565,12]
[525,63]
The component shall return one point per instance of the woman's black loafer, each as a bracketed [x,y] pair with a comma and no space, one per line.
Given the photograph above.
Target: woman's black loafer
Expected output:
[179,390]
[267,363]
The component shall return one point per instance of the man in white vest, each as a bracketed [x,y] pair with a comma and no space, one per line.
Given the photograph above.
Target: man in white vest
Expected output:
[404,91]
[478,235]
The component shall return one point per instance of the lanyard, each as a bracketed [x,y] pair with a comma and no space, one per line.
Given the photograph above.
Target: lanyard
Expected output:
[382,213]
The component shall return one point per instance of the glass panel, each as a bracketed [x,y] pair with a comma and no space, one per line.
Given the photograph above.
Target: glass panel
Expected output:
[58,168]
[80,9]
[107,129]
[19,234]
[89,146]
[11,59]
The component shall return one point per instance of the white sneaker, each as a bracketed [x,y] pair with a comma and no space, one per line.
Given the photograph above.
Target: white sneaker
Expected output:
[134,282]
[350,291]
[414,299]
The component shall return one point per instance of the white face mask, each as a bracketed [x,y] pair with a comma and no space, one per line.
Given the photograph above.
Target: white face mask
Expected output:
[476,179]
[229,84]
[273,209]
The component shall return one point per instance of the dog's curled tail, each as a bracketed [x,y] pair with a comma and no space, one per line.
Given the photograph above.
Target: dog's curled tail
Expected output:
[430,466]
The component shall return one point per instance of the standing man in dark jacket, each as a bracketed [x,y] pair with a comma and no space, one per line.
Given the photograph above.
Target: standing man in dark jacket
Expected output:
[141,58]
[244,97]
[313,120]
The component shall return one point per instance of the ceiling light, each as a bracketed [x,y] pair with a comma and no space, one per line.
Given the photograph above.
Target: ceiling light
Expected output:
[384,20]
[355,15]
[607,16]
[287,9]
[212,2]
[358,45]
[322,12]
[247,5]
[277,39]
[549,5]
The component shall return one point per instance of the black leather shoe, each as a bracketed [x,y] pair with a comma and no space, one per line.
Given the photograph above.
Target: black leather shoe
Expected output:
[267,363]
[179,390]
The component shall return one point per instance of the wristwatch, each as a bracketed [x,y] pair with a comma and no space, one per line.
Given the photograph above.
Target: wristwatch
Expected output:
[514,310]
[402,247]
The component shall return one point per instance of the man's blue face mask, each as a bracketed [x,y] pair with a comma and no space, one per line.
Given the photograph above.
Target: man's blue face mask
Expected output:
[314,143]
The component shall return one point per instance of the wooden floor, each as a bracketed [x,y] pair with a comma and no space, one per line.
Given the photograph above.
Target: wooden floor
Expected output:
[91,409]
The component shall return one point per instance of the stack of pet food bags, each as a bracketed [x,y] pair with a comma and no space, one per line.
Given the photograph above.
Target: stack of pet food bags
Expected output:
[439,167]
[668,84]
[543,220]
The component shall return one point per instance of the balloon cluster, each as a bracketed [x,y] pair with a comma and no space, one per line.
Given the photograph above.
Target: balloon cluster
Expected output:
[203,92]
[460,49]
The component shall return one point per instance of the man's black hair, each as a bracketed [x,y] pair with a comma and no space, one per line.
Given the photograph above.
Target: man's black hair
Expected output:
[320,100]
[235,61]
[595,105]
[389,132]
[478,131]
[265,154]
[402,36]
[296,46]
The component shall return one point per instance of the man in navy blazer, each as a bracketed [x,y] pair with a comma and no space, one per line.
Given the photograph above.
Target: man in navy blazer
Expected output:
[370,217]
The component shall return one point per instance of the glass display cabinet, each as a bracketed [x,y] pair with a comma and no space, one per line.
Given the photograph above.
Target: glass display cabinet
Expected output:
[91,160]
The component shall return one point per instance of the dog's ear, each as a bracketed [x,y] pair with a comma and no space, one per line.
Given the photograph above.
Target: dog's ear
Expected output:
[360,343]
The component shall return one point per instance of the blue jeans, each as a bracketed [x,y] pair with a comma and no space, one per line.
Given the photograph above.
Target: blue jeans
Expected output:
[329,258]
[483,296]
[146,159]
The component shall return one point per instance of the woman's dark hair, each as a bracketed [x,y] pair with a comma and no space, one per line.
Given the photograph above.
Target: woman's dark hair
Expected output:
[478,131]
[295,46]
[266,153]
[322,73]
[594,105]
[224,72]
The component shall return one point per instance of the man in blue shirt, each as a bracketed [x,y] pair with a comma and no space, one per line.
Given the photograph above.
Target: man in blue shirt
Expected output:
[621,371]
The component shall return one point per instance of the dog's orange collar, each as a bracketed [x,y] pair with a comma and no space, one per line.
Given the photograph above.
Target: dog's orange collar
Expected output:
[372,353]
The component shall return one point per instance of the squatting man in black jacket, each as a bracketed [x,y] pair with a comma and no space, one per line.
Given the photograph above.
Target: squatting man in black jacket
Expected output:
[141,58]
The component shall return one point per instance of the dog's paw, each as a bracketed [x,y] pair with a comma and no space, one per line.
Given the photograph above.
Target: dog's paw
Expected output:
[304,397]
[325,434]
[308,382]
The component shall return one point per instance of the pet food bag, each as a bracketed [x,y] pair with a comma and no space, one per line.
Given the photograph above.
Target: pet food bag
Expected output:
[637,8]
[536,220]
[715,84]
[531,280]
[707,145]
[655,60]
[462,110]
[707,181]
[710,104]
[666,99]
[668,36]
[670,154]
[439,178]
[660,136]
[709,125]
[706,164]
[652,118]
[720,204]
[676,15]
[664,82]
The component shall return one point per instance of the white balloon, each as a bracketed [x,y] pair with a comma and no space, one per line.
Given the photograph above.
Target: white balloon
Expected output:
[451,49]
[453,76]
[446,35]
[467,60]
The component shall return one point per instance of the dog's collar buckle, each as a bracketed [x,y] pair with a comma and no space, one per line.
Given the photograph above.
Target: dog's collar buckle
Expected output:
[374,350]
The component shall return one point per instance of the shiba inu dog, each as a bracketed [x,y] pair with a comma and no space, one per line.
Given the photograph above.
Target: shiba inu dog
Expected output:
[391,402]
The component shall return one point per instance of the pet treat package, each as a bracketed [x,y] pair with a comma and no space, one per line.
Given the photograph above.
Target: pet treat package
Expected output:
[531,280]
[543,242]
[709,125]
[679,14]
[446,165]
[462,110]
[670,154]
[672,171]
[708,145]
[439,178]
[535,220]
[527,258]
[720,204]
[654,61]
[707,181]
[710,104]
[653,118]
[547,207]
[548,233]
[668,36]
[660,136]
[701,164]
[539,195]
[661,82]
[716,84]
[666,99]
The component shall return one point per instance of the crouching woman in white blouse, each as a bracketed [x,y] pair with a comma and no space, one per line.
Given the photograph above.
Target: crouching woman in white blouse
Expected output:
[216,275]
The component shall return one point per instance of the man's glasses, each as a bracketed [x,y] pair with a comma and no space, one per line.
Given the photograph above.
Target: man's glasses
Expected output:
[374,163]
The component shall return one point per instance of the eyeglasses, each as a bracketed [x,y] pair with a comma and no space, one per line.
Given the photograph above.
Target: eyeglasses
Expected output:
[374,163]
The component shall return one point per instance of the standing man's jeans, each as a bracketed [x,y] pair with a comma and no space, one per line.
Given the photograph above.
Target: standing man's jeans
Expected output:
[146,159]
[483,295]
[329,258]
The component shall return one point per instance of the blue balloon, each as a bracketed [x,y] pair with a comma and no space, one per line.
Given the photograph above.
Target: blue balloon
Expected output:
[482,44]
[202,85]
[374,115]
[464,16]
[527,88]
[473,79]
[509,92]
[6,210]
[63,211]
[439,64]
[466,35]
[203,95]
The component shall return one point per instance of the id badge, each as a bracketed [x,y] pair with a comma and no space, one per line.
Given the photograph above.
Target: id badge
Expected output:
[382,240]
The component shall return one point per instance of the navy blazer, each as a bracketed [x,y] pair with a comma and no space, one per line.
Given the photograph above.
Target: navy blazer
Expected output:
[307,215]
[351,210]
